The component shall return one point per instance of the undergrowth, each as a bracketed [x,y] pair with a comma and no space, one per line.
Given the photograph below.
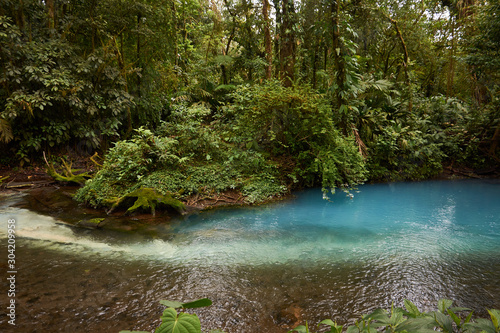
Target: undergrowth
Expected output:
[409,319]
[184,157]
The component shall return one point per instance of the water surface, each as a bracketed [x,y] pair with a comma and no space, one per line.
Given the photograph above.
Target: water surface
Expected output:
[265,267]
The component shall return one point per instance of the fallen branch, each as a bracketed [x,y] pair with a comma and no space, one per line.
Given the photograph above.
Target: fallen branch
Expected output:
[67,175]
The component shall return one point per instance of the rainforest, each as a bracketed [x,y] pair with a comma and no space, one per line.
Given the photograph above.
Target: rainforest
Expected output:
[249,98]
[167,108]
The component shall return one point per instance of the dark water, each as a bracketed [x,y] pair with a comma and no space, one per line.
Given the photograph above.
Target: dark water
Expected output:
[267,267]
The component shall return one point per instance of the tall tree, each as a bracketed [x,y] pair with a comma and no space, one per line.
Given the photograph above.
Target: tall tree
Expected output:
[287,43]
[267,39]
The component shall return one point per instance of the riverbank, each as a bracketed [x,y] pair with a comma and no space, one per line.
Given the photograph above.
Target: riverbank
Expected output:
[17,179]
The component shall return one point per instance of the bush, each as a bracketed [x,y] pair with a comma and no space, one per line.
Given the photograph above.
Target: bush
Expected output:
[183,158]
[296,125]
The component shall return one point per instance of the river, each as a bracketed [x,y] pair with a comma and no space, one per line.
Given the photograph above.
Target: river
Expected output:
[266,267]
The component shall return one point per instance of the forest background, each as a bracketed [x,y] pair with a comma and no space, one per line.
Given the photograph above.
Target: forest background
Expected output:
[194,97]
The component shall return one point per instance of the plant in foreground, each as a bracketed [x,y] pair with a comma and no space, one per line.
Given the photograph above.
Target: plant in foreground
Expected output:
[410,319]
[173,322]
[405,320]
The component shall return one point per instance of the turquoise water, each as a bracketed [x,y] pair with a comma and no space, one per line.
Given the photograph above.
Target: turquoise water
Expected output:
[404,219]
[322,259]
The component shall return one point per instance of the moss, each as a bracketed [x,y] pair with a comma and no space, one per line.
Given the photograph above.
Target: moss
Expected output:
[3,178]
[92,223]
[148,199]
[68,174]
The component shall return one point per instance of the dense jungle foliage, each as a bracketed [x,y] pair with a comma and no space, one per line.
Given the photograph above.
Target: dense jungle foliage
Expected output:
[200,97]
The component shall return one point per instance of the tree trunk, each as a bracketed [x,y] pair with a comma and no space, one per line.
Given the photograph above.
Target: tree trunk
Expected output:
[451,67]
[287,45]
[277,40]
[51,14]
[314,65]
[267,39]
[337,55]
[405,62]
[139,60]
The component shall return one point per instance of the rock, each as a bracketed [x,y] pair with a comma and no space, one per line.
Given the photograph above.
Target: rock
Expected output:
[289,317]
[91,223]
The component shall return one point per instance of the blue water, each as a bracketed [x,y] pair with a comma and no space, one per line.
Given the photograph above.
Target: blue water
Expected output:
[336,259]
[403,219]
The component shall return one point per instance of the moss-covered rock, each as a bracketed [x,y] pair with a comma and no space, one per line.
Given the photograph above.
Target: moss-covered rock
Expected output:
[91,223]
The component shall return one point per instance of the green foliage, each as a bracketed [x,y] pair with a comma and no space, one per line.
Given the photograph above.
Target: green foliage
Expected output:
[410,319]
[295,122]
[173,322]
[185,157]
[53,96]
[147,199]
[68,174]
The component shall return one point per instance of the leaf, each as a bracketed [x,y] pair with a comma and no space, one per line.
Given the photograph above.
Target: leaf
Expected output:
[480,325]
[453,316]
[199,303]
[182,323]
[300,329]
[443,321]
[420,324]
[171,304]
[495,317]
[444,304]
[468,317]
[379,315]
[334,327]
[352,329]
[396,318]
[411,308]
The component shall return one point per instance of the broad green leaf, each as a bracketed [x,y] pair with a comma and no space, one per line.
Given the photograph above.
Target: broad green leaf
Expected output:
[411,308]
[443,321]
[481,325]
[444,304]
[495,317]
[200,303]
[396,318]
[352,329]
[300,329]
[171,304]
[453,316]
[182,323]
[188,305]
[328,322]
[334,327]
[379,315]
[420,324]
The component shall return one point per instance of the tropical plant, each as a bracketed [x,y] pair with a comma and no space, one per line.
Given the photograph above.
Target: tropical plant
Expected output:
[295,125]
[410,319]
[173,322]
[446,319]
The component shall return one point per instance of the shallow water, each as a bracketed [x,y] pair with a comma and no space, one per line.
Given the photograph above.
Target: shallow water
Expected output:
[264,267]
